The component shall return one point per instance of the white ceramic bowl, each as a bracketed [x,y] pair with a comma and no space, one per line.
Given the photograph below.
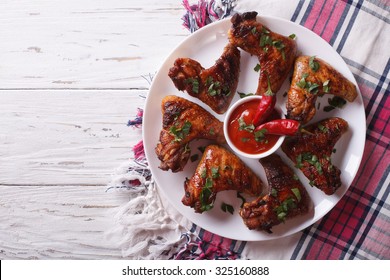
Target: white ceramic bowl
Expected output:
[231,144]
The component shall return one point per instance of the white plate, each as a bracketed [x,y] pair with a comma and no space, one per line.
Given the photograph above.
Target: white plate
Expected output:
[205,46]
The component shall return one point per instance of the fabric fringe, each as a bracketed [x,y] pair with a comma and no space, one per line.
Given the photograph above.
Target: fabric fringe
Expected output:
[196,248]
[137,122]
[138,150]
[205,12]
[146,230]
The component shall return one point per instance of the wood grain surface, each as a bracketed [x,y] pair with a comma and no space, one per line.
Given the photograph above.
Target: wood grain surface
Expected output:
[72,73]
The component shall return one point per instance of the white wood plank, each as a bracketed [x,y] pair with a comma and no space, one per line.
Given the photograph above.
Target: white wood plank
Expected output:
[65,137]
[58,222]
[85,44]
[58,148]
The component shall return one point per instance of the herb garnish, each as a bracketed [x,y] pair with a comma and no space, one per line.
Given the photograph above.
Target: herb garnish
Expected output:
[180,132]
[254,30]
[215,87]
[243,126]
[314,65]
[302,82]
[269,90]
[242,198]
[257,67]
[313,88]
[203,173]
[278,44]
[322,128]
[215,172]
[227,208]
[194,82]
[205,195]
[297,193]
[243,94]
[264,30]
[265,40]
[280,47]
[318,166]
[260,134]
[335,102]
[284,207]
[292,36]
[194,157]
[309,86]
[311,159]
[300,158]
[325,86]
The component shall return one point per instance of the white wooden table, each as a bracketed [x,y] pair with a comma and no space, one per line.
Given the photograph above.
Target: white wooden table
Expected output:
[71,73]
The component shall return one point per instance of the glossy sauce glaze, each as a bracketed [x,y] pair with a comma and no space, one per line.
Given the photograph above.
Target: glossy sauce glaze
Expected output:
[241,129]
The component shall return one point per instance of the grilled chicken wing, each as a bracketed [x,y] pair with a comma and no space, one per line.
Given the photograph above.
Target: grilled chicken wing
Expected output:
[214,86]
[287,197]
[276,53]
[218,170]
[313,77]
[311,152]
[184,121]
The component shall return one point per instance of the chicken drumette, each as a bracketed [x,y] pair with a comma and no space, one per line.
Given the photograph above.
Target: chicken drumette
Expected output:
[311,152]
[276,53]
[184,121]
[313,77]
[214,86]
[287,197]
[218,170]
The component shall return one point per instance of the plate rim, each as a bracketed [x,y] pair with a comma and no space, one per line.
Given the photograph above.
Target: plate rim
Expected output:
[205,29]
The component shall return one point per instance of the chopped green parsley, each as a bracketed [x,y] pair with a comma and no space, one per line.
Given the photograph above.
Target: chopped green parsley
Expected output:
[194,82]
[180,132]
[227,208]
[313,64]
[205,195]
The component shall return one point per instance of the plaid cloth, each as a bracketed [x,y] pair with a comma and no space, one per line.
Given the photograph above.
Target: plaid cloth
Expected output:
[358,227]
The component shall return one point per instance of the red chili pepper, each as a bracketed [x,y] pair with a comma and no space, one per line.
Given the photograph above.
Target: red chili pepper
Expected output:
[280,127]
[266,106]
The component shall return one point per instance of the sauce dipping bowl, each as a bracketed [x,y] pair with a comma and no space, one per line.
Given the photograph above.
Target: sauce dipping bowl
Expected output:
[239,129]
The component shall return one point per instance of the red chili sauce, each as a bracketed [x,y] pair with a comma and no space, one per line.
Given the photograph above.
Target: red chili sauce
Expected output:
[240,129]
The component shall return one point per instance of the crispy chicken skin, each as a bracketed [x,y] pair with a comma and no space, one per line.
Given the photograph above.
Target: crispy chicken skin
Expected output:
[313,79]
[287,197]
[214,86]
[184,121]
[218,170]
[276,53]
[311,152]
